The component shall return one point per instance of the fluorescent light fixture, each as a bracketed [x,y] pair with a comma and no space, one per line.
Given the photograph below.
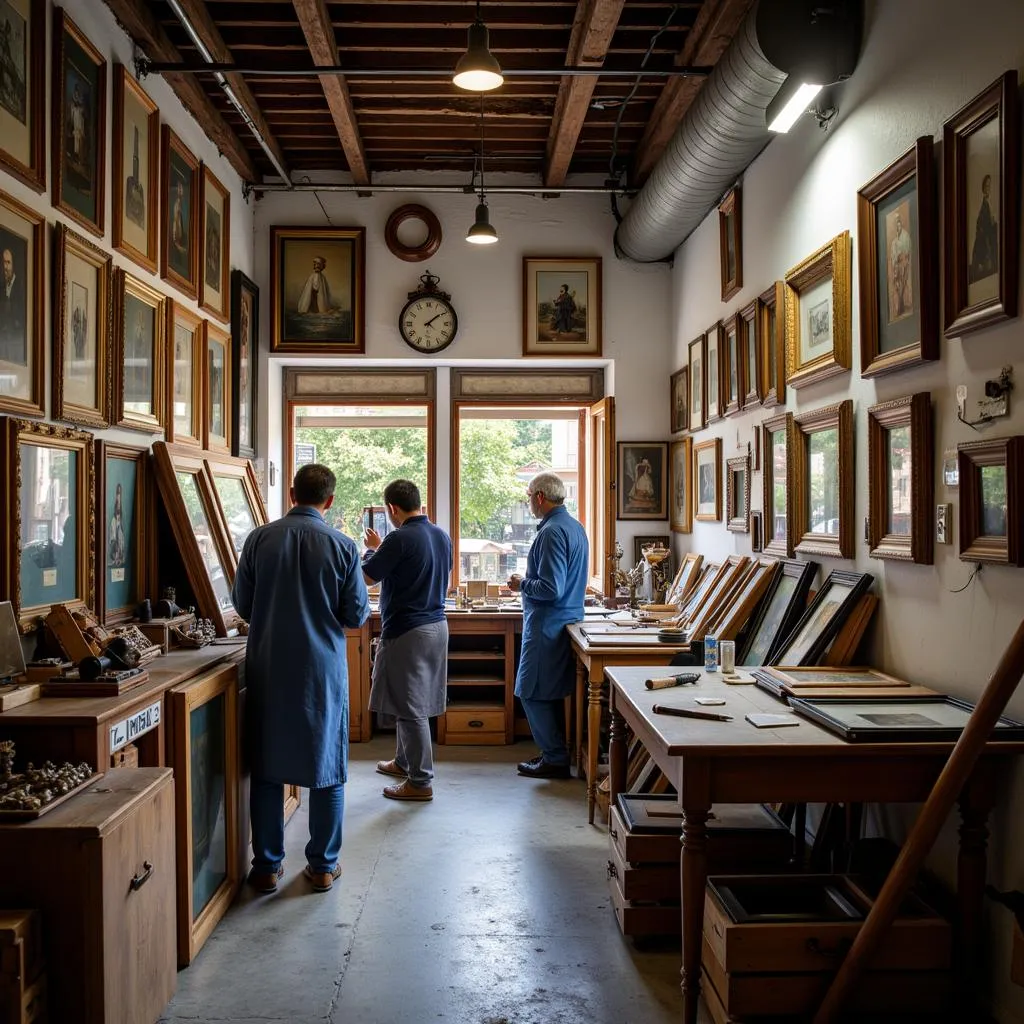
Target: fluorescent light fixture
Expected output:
[482,232]
[785,118]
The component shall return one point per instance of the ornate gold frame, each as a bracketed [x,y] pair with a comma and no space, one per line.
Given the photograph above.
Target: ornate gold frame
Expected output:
[207,179]
[714,443]
[730,206]
[169,142]
[772,545]
[732,327]
[33,174]
[697,420]
[714,339]
[737,522]
[211,441]
[685,523]
[749,320]
[177,313]
[772,343]
[124,285]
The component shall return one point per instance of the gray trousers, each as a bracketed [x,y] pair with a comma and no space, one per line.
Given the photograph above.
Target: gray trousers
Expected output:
[414,754]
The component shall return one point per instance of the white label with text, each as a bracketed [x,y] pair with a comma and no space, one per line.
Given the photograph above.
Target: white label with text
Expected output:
[134,726]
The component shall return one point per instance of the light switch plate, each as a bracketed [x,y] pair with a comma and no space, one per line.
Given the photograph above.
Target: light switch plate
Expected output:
[944,523]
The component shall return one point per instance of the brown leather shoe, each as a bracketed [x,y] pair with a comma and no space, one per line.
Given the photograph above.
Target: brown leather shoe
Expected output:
[407,791]
[322,880]
[390,768]
[265,882]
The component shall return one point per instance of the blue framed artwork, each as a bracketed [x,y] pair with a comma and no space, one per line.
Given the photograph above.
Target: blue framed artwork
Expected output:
[122,508]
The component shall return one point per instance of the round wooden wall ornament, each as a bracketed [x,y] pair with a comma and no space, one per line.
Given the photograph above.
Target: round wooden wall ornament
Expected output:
[413,253]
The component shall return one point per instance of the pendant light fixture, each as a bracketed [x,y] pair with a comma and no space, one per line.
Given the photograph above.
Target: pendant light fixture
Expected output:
[482,232]
[477,70]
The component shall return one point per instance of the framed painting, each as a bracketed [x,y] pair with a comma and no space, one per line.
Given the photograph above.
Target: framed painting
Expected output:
[737,494]
[681,485]
[733,370]
[186,356]
[823,481]
[47,556]
[697,374]
[22,92]
[561,306]
[772,345]
[822,620]
[745,598]
[679,396]
[710,574]
[898,236]
[245,328]
[121,504]
[317,290]
[138,395]
[215,233]
[685,579]
[714,358]
[216,389]
[981,223]
[750,347]
[779,612]
[707,483]
[79,139]
[730,243]
[81,329]
[203,740]
[992,500]
[642,476]
[22,352]
[817,312]
[718,600]
[756,531]
[238,498]
[179,222]
[136,178]
[901,479]
[777,479]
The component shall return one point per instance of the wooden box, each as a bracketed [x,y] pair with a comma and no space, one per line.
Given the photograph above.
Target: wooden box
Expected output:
[159,630]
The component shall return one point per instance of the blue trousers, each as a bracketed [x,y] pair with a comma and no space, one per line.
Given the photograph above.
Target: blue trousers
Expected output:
[266,808]
[547,723]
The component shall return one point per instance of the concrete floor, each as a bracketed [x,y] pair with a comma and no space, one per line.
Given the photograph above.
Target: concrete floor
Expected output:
[487,906]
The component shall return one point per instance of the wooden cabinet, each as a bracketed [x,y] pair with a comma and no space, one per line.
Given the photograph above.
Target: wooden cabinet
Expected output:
[100,868]
[360,719]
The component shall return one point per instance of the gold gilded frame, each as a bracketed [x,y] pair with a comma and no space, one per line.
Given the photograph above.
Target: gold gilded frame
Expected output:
[772,545]
[684,522]
[209,180]
[772,344]
[736,521]
[33,173]
[178,314]
[714,444]
[170,143]
[211,441]
[125,285]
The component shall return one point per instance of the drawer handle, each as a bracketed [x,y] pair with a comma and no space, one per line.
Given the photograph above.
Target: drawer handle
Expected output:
[613,833]
[138,881]
[840,949]
[475,723]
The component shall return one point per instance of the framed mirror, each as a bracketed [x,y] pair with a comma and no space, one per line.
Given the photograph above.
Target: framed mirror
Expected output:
[238,498]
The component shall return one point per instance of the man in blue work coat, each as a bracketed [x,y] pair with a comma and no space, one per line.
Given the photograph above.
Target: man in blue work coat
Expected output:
[552,591]
[299,585]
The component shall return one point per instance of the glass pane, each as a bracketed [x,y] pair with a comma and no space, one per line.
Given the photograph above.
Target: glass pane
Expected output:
[48,541]
[899,482]
[207,760]
[237,510]
[777,523]
[823,461]
[993,501]
[204,537]
[182,380]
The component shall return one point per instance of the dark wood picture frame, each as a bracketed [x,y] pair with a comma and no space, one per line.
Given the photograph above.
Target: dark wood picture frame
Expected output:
[245,346]
[899,268]
[543,295]
[732,345]
[838,544]
[121,548]
[124,187]
[730,242]
[697,371]
[679,401]
[756,531]
[125,286]
[71,329]
[14,476]
[70,44]
[749,320]
[214,246]
[1000,539]
[999,107]
[773,344]
[216,388]
[33,118]
[190,374]
[916,542]
[681,485]
[713,445]
[781,609]
[778,537]
[179,185]
[714,403]
[27,243]
[642,472]
[737,494]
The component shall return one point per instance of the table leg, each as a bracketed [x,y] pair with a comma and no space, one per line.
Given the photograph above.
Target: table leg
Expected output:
[616,755]
[593,739]
[693,878]
[581,692]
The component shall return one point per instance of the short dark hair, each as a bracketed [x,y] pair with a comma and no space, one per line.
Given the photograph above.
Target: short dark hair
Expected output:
[313,484]
[403,494]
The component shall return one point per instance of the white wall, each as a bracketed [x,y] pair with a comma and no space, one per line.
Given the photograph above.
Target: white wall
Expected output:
[486,287]
[922,60]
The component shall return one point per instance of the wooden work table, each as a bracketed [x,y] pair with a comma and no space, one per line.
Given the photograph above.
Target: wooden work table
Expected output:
[593,655]
[734,762]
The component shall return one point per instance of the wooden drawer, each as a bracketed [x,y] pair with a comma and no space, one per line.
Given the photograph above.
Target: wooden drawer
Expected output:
[480,724]
[23,1005]
[650,882]
[21,946]
[639,919]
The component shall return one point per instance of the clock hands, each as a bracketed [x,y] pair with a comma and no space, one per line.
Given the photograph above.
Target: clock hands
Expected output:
[432,319]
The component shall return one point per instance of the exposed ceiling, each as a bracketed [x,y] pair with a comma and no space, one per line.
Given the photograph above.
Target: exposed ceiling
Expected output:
[548,125]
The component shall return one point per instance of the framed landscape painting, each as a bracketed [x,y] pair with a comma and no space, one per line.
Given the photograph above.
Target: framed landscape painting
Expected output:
[643,485]
[561,307]
[179,224]
[22,93]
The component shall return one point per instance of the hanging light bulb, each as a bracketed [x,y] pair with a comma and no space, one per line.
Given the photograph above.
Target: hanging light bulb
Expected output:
[482,232]
[477,69]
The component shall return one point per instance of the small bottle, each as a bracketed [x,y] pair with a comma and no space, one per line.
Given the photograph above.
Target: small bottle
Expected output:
[710,653]
[727,656]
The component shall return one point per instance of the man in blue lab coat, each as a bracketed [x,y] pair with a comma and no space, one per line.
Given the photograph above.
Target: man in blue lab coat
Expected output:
[552,590]
[300,586]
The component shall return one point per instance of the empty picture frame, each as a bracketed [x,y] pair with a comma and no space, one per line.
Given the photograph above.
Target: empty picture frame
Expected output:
[737,494]
[680,483]
[901,479]
[697,372]
[897,229]
[981,222]
[138,380]
[730,243]
[823,481]
[780,443]
[679,401]
[782,608]
[122,492]
[186,355]
[817,311]
[992,500]
[733,371]
[707,480]
[772,344]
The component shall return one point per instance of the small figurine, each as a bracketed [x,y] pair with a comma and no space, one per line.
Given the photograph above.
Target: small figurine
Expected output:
[36,787]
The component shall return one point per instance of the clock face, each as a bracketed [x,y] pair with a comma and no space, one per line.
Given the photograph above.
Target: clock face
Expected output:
[428,323]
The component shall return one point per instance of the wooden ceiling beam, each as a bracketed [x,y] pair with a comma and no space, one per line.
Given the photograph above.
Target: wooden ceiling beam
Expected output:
[319,33]
[714,29]
[138,21]
[591,37]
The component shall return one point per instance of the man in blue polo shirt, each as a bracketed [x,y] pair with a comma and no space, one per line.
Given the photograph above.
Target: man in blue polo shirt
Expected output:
[410,672]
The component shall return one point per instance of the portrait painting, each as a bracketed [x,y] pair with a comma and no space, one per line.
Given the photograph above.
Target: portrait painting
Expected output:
[136,157]
[561,306]
[22,125]
[15,317]
[183,372]
[317,277]
[216,388]
[179,225]
[79,130]
[714,397]
[244,348]
[140,322]
[643,487]
[681,501]
[179,201]
[982,191]
[140,355]
[678,394]
[120,498]
[754,385]
[696,382]
[707,484]
[121,487]
[216,371]
[214,233]
[899,252]
[14,61]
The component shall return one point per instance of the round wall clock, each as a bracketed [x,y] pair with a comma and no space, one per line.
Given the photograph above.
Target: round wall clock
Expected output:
[428,322]
[426,248]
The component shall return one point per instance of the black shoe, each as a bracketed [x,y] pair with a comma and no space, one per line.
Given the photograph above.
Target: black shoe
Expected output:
[532,763]
[544,770]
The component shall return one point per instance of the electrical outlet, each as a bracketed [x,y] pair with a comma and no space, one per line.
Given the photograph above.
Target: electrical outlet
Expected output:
[961,398]
[944,523]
